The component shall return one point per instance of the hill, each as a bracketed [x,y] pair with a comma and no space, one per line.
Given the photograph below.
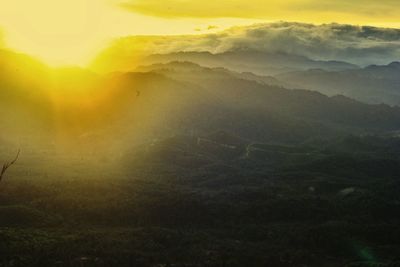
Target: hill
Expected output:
[372,84]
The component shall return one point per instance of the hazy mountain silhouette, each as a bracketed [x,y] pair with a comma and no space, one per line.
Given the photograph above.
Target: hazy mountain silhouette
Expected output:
[257,62]
[372,84]
[182,97]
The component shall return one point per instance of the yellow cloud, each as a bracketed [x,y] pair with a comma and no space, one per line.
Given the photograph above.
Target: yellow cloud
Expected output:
[73,31]
[354,11]
[362,45]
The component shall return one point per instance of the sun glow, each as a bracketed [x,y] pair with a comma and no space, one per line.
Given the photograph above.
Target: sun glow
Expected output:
[72,32]
[58,32]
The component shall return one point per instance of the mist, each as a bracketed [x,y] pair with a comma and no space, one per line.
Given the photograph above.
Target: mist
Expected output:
[266,145]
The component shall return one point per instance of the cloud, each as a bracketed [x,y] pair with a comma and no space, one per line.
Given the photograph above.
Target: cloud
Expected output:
[212,27]
[352,11]
[358,44]
[361,45]
[187,8]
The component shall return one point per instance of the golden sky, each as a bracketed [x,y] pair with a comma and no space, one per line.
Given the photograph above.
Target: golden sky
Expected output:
[73,31]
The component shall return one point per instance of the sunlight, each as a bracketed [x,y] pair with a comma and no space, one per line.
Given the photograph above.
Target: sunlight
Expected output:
[72,32]
[199,133]
[58,32]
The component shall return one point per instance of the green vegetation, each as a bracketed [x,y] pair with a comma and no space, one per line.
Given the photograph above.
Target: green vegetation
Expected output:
[191,201]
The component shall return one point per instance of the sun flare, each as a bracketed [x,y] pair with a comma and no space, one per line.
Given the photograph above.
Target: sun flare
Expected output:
[61,32]
[71,32]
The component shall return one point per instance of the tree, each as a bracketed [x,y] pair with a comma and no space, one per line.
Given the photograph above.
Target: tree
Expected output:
[8,165]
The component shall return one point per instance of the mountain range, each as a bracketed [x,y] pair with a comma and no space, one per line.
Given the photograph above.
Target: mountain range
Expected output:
[267,145]
[372,84]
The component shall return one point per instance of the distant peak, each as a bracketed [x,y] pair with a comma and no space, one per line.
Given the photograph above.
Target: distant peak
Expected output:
[395,64]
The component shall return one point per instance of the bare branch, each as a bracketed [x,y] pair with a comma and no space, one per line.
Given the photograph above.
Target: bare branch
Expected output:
[8,165]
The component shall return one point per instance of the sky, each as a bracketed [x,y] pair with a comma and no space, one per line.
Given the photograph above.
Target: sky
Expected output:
[73,31]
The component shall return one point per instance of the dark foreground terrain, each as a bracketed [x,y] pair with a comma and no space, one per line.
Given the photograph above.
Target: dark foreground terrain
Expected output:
[212,201]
